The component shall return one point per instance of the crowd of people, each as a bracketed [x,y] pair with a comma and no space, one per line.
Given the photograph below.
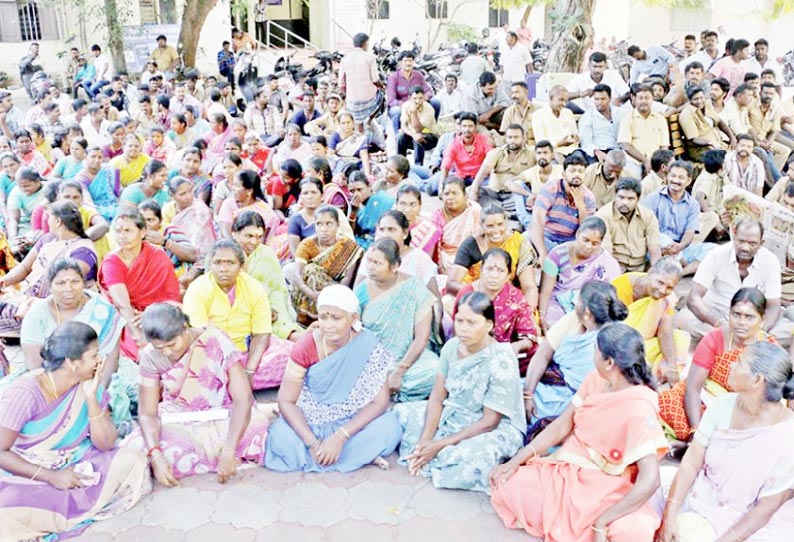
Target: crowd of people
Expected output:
[168,250]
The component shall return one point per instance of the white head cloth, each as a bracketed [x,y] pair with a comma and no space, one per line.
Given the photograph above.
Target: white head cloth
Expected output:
[340,297]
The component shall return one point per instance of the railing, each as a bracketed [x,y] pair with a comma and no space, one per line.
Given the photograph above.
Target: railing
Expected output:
[284,38]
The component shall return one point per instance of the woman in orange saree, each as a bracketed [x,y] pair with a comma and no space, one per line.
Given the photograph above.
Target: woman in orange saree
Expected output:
[597,485]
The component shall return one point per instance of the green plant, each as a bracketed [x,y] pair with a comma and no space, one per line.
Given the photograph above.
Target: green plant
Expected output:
[458,32]
[5,80]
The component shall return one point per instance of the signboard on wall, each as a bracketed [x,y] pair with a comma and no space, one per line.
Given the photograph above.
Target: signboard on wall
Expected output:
[140,41]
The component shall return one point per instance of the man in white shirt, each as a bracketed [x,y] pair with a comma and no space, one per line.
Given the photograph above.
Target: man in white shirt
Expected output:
[103,71]
[760,61]
[557,124]
[95,127]
[580,88]
[742,263]
[706,56]
[516,60]
[450,97]
[473,65]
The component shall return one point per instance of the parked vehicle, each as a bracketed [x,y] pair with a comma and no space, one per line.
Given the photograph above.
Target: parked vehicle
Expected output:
[787,62]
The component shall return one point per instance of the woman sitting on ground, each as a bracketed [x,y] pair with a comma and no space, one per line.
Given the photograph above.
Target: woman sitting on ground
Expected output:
[425,235]
[100,182]
[335,396]
[130,163]
[565,357]
[598,484]
[474,418]
[261,263]
[68,167]
[196,413]
[348,145]
[135,275]
[94,224]
[300,225]
[66,239]
[468,260]
[651,301]
[369,206]
[569,266]
[246,196]
[237,303]
[736,481]
[57,445]
[399,309]
[321,260]
[171,239]
[457,220]
[513,323]
[150,186]
[682,406]
[222,188]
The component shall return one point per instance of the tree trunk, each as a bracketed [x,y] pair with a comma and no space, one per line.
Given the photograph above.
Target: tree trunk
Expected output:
[193,17]
[573,35]
[115,35]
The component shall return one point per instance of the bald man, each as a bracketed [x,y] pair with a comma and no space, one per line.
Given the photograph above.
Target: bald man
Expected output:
[556,123]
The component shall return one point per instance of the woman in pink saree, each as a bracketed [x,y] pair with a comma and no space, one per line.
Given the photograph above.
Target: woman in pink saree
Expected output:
[458,219]
[736,481]
[196,410]
[425,234]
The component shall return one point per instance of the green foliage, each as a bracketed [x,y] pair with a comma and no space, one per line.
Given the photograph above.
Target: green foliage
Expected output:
[507,4]
[781,7]
[458,32]
[692,5]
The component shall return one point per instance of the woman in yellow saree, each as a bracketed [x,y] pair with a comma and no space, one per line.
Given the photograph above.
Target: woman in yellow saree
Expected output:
[651,302]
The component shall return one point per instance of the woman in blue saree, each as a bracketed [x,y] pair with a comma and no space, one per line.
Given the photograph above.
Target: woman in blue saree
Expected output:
[565,357]
[102,183]
[369,205]
[334,396]
[59,468]
[399,309]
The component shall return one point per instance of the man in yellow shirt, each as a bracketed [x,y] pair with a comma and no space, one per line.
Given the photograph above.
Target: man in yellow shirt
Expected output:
[642,133]
[166,57]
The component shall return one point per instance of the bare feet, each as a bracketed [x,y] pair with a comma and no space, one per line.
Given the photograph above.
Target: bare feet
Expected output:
[381,462]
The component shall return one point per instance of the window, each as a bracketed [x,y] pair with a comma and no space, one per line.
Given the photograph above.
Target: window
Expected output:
[688,20]
[497,18]
[437,9]
[27,20]
[377,9]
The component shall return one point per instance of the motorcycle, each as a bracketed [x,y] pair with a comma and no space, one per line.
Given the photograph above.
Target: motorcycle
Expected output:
[619,58]
[326,60]
[246,78]
[787,62]
[540,55]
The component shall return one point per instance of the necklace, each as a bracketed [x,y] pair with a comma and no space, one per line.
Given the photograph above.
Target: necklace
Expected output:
[58,311]
[51,381]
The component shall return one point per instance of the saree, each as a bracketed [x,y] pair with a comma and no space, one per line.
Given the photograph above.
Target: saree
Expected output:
[571,363]
[741,466]
[56,436]
[17,301]
[323,267]
[425,236]
[645,315]
[195,404]
[521,252]
[486,379]
[263,265]
[150,279]
[392,316]
[569,278]
[67,168]
[102,189]
[671,401]
[453,232]
[128,172]
[367,217]
[101,245]
[197,224]
[336,195]
[512,320]
[559,497]
[335,389]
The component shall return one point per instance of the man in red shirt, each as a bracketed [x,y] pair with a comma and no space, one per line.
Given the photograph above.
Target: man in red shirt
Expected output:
[466,152]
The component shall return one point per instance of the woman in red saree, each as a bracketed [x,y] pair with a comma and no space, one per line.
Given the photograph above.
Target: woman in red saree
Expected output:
[597,485]
[135,276]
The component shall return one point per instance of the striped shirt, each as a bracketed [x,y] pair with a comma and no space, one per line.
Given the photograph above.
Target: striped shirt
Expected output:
[562,216]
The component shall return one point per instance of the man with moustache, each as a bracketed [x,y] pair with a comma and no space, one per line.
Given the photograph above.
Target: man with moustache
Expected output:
[520,111]
[743,168]
[765,125]
[561,206]
[502,165]
[742,263]
[678,214]
[582,88]
[465,154]
[598,126]
[529,184]
[642,132]
[601,178]
[633,235]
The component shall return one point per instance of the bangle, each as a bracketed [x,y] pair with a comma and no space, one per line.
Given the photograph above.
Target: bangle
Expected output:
[227,450]
[250,372]
[313,444]
[675,501]
[158,456]
[529,396]
[36,473]
[596,529]
[344,431]
[534,452]
[97,416]
[153,449]
[341,438]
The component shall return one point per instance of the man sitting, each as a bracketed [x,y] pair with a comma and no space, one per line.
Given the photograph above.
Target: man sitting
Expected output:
[642,133]
[417,126]
[465,154]
[633,235]
[582,88]
[701,125]
[556,123]
[487,101]
[501,165]
[765,115]
[528,186]
[679,217]
[743,168]
[520,111]
[742,263]
[601,178]
[598,125]
[328,122]
[707,191]
[651,61]
[561,206]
